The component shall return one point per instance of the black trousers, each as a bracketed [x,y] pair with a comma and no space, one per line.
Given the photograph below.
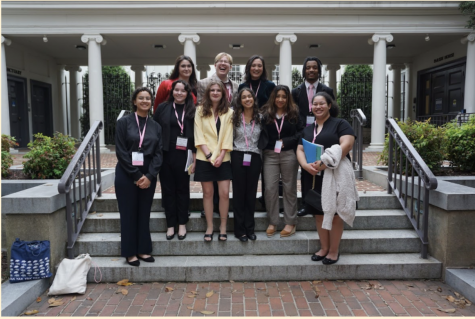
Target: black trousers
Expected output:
[245,180]
[175,183]
[134,207]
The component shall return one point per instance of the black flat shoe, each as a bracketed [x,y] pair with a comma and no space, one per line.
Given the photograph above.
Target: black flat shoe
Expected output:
[317,257]
[225,236]
[170,237]
[135,263]
[302,213]
[242,238]
[208,236]
[252,236]
[327,261]
[148,259]
[180,237]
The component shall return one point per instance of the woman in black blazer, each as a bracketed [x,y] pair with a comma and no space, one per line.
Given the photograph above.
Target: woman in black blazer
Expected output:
[176,117]
[255,76]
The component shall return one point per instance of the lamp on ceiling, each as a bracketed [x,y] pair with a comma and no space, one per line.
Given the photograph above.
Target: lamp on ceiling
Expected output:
[427,38]
[45,39]
[236,46]
[390,46]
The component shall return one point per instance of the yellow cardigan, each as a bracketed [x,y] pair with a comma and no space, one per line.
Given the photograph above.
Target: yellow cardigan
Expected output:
[206,134]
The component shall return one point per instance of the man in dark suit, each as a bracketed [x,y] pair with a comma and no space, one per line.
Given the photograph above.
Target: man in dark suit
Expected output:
[303,94]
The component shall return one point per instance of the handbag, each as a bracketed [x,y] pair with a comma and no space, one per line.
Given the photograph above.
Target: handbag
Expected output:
[313,198]
[71,276]
[29,260]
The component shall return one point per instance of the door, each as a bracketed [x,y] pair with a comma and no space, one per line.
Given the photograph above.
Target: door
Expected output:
[18,106]
[41,108]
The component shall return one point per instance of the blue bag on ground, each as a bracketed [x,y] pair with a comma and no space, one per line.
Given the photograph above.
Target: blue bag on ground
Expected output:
[29,260]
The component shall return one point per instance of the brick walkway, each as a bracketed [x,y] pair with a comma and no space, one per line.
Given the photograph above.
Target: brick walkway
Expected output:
[317,298]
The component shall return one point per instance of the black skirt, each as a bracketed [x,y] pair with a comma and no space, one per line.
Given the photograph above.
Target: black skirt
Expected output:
[308,185]
[205,172]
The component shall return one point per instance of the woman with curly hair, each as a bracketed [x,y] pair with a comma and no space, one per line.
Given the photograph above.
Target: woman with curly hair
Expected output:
[246,163]
[214,142]
[282,128]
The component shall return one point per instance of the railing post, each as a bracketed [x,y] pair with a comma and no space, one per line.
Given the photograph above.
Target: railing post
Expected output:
[390,160]
[98,168]
[69,221]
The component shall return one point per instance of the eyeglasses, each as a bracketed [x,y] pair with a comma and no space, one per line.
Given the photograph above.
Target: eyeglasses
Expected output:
[223,62]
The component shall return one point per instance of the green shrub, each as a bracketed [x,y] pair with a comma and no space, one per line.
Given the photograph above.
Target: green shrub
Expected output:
[49,157]
[7,158]
[427,139]
[8,142]
[460,145]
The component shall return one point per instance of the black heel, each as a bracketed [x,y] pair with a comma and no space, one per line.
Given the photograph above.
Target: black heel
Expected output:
[208,236]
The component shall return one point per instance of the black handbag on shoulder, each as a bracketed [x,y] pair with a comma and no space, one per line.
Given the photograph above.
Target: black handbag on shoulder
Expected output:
[313,198]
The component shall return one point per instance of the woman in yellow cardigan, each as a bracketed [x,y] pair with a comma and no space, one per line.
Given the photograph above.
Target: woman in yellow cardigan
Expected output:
[214,142]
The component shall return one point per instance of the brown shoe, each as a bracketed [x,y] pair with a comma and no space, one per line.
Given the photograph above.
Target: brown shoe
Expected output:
[270,232]
[285,233]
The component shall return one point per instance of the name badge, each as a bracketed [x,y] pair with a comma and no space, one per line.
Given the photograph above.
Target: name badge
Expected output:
[310,120]
[278,146]
[137,158]
[181,143]
[247,160]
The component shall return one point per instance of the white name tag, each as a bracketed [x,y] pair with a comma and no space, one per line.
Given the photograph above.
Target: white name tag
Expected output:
[247,160]
[310,120]
[278,146]
[181,143]
[137,159]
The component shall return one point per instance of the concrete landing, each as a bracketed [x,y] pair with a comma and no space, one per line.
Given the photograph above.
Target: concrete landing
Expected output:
[463,281]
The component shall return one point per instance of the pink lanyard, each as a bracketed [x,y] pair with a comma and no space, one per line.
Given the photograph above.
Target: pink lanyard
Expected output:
[315,132]
[281,124]
[216,119]
[257,87]
[244,129]
[182,125]
[143,132]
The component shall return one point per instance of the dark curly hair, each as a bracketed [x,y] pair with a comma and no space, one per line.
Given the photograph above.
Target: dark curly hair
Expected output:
[189,103]
[176,72]
[247,70]
[291,109]
[239,108]
[312,58]
[334,108]
[136,92]
[223,106]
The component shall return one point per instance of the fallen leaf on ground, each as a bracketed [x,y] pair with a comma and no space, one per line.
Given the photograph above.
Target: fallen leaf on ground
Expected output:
[316,289]
[451,310]
[124,282]
[100,215]
[38,299]
[55,302]
[234,290]
[191,296]
[410,285]
[316,282]
[206,312]
[316,296]
[88,298]
[439,289]
[266,294]
[73,298]
[450,298]
[92,213]
[191,308]
[231,281]
[194,292]
[125,292]
[50,300]
[456,294]
[209,294]
[168,289]
[31,312]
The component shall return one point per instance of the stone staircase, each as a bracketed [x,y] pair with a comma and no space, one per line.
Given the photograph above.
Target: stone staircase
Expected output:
[381,245]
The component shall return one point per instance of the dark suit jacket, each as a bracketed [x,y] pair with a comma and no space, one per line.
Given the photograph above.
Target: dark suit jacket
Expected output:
[164,115]
[299,94]
[265,89]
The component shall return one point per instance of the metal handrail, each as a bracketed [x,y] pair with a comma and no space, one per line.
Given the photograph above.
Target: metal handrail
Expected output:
[424,177]
[89,183]
[359,120]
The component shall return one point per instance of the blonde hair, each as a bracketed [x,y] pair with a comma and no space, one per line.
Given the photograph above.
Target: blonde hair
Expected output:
[220,55]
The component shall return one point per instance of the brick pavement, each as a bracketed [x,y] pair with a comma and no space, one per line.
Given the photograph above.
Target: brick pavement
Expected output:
[335,298]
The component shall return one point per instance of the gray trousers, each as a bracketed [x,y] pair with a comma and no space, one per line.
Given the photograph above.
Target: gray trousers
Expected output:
[283,164]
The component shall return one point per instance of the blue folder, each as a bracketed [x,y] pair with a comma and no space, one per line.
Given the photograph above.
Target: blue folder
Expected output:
[313,152]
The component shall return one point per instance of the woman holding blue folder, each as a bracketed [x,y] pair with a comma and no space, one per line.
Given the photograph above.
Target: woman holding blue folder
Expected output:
[327,130]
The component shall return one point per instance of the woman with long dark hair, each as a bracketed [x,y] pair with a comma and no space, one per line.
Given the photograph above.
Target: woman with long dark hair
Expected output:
[184,69]
[176,117]
[255,78]
[214,142]
[246,163]
[281,134]
[139,153]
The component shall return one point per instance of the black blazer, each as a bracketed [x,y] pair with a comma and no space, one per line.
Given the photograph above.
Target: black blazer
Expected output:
[164,115]
[299,95]
[289,142]
[265,90]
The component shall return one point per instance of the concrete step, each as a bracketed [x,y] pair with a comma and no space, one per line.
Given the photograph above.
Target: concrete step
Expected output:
[463,281]
[268,268]
[109,222]
[303,242]
[368,200]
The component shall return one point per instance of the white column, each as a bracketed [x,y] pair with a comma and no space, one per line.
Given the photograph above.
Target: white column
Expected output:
[65,114]
[204,69]
[379,81]
[138,69]
[396,111]
[188,40]
[332,68]
[408,113]
[96,98]
[469,100]
[5,105]
[285,58]
[74,115]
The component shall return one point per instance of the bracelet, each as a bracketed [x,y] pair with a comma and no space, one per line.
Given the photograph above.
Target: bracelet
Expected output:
[209,156]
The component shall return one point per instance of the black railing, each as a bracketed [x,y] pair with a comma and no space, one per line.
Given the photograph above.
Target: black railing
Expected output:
[81,183]
[359,120]
[404,159]
[441,119]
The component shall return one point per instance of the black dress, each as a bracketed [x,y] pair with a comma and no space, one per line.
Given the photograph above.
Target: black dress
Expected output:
[332,130]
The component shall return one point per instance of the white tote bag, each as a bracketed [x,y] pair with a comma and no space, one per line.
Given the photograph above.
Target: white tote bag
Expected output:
[71,277]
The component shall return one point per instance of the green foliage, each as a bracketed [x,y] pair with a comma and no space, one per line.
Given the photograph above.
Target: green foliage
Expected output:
[297,78]
[460,145]
[49,157]
[468,8]
[7,158]
[8,142]
[427,139]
